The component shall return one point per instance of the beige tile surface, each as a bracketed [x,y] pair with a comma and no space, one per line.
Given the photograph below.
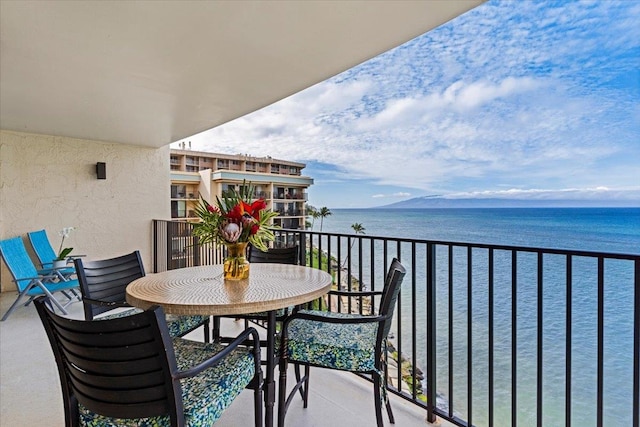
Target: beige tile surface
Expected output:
[30,390]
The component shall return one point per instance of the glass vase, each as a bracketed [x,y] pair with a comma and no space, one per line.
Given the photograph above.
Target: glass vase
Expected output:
[236,266]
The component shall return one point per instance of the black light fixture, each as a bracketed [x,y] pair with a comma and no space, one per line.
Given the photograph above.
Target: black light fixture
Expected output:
[101,170]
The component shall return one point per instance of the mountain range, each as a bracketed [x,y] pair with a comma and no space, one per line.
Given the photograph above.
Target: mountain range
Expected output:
[434,202]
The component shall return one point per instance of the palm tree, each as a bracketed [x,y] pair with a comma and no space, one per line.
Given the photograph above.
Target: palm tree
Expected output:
[358,229]
[314,214]
[323,213]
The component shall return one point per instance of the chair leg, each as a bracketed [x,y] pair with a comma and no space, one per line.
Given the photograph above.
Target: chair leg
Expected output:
[216,329]
[296,369]
[76,295]
[378,399]
[50,296]
[392,420]
[50,299]
[258,404]
[385,382]
[282,391]
[207,327]
[13,306]
[307,374]
[304,390]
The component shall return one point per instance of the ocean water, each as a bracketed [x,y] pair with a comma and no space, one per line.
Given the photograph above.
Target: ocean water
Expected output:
[615,230]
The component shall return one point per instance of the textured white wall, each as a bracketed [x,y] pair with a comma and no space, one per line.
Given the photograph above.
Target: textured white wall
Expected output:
[50,182]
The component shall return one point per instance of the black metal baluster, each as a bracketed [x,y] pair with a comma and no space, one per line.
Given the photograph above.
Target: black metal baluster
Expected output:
[539,374]
[491,337]
[569,323]
[360,281]
[372,275]
[599,407]
[450,329]
[431,332]
[636,344]
[514,338]
[399,325]
[469,336]
[414,356]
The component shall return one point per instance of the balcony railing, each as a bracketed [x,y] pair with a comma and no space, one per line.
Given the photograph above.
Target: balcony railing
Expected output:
[486,335]
[289,212]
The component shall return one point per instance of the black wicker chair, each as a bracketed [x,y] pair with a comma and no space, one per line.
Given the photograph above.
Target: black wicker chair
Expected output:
[103,285]
[129,371]
[290,255]
[348,342]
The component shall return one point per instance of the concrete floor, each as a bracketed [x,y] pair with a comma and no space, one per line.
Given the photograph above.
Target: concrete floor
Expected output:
[30,390]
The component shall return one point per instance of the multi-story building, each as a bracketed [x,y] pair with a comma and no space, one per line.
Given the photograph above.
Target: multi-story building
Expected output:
[279,182]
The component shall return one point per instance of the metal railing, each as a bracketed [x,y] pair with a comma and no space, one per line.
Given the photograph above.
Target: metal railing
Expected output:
[487,335]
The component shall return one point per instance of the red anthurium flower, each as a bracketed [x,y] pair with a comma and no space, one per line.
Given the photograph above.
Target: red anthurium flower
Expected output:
[238,211]
[211,208]
[256,207]
[255,228]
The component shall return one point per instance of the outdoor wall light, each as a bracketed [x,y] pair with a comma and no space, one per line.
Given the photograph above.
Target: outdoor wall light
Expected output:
[101,170]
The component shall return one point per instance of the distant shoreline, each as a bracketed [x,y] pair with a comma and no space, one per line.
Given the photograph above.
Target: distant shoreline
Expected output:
[442,202]
[499,203]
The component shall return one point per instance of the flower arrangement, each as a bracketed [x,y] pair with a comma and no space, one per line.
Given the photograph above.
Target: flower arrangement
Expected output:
[63,253]
[235,218]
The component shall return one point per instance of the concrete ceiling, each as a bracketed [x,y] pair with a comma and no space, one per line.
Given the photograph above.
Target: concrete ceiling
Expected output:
[150,73]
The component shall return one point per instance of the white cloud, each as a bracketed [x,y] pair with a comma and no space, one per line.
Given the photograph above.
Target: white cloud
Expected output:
[502,95]
[597,193]
[399,194]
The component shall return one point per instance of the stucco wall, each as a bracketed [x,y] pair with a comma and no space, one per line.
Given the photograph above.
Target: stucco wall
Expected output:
[50,182]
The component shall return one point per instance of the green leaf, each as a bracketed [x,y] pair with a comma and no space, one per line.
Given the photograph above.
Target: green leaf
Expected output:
[63,254]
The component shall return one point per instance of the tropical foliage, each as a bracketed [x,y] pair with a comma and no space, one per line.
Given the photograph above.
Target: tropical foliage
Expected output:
[235,218]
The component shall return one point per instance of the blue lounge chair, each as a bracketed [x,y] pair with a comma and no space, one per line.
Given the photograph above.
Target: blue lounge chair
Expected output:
[46,254]
[29,282]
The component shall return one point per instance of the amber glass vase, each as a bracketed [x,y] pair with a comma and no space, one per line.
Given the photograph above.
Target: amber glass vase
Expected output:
[236,266]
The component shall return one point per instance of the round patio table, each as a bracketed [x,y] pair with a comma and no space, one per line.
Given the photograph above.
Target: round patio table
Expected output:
[203,290]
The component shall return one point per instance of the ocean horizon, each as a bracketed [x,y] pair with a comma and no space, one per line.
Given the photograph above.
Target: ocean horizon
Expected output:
[600,229]
[611,230]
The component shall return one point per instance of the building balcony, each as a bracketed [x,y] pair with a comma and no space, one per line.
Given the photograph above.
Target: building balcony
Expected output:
[289,212]
[488,324]
[287,196]
[31,393]
[454,327]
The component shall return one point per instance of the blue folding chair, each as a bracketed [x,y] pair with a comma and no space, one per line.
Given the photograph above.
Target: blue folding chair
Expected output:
[45,253]
[29,282]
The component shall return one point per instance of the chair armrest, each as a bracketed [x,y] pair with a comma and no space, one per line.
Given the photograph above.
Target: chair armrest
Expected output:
[113,304]
[305,315]
[41,277]
[238,341]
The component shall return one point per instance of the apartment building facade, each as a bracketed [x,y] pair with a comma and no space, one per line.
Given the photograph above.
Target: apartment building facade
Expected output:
[279,182]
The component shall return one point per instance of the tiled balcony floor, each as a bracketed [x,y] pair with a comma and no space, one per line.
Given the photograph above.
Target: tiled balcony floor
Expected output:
[30,390]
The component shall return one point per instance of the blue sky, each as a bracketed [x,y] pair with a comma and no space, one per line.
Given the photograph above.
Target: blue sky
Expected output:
[518,99]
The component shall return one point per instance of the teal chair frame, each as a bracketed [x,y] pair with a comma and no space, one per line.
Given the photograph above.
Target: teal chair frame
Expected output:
[29,282]
[46,254]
